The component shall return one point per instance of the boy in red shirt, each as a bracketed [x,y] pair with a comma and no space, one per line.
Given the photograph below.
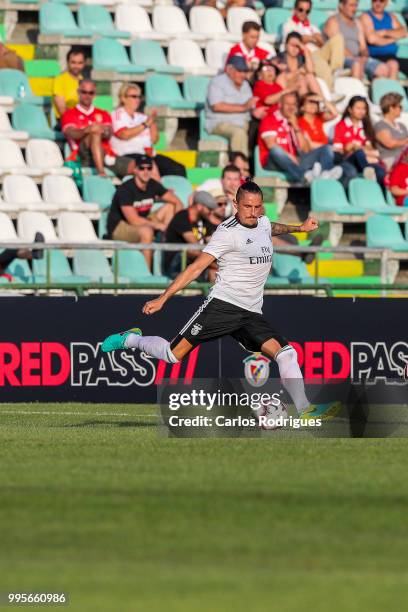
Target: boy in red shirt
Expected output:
[248,48]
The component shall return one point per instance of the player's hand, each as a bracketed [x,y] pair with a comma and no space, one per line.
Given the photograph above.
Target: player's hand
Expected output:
[310,225]
[153,306]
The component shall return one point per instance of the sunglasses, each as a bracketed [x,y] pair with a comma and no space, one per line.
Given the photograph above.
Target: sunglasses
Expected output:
[133,96]
[87,92]
[302,10]
[145,167]
[221,204]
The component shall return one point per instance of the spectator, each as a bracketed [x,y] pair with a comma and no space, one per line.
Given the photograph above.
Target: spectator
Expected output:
[224,5]
[88,130]
[268,87]
[354,141]
[135,133]
[189,226]
[327,56]
[240,161]
[229,104]
[283,146]
[9,255]
[228,185]
[296,66]
[219,214]
[10,59]
[355,48]
[65,85]
[314,113]
[391,135]
[382,30]
[130,216]
[248,48]
[398,180]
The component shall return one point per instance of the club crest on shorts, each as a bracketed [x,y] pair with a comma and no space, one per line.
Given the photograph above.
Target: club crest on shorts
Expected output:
[196,329]
[256,369]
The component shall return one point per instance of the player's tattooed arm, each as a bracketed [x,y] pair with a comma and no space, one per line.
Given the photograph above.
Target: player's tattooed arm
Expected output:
[280,228]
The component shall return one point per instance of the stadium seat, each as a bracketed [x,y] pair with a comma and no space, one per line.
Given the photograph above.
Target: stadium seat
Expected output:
[291,267]
[380,87]
[260,171]
[62,190]
[150,55]
[237,16]
[274,19]
[60,270]
[368,195]
[205,136]
[21,193]
[20,271]
[12,161]
[28,223]
[195,89]
[56,18]
[6,131]
[110,55]
[133,268]
[349,87]
[32,119]
[328,195]
[216,52]
[75,227]
[7,229]
[98,189]
[42,68]
[46,155]
[94,264]
[188,55]
[162,90]
[104,2]
[135,19]
[97,19]
[172,21]
[208,21]
[11,81]
[383,231]
[180,185]
[318,17]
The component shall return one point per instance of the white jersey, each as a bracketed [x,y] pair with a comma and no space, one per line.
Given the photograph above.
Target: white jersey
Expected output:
[121,121]
[244,257]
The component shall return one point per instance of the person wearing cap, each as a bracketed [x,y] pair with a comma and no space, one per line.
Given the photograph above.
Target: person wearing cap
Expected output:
[191,226]
[130,216]
[230,104]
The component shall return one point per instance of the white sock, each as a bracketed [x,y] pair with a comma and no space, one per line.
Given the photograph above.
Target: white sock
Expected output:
[152,345]
[292,378]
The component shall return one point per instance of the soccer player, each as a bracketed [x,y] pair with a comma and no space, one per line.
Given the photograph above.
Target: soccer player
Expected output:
[242,247]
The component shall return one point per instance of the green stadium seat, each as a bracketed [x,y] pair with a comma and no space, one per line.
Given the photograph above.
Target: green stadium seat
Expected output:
[150,55]
[328,195]
[368,195]
[10,83]
[99,190]
[274,19]
[94,264]
[97,19]
[104,102]
[181,186]
[260,171]
[56,18]
[318,17]
[204,135]
[110,55]
[103,224]
[162,90]
[196,176]
[195,89]
[380,87]
[32,119]
[291,267]
[384,232]
[20,271]
[43,68]
[133,268]
[60,270]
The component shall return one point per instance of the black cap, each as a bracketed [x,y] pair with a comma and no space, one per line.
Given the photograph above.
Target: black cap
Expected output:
[238,62]
[144,160]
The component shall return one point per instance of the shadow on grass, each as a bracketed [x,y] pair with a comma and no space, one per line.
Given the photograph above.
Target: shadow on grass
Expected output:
[111,424]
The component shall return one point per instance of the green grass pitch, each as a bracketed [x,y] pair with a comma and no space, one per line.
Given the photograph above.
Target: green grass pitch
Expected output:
[95,503]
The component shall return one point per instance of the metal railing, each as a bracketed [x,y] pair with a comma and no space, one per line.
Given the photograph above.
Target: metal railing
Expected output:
[385,256]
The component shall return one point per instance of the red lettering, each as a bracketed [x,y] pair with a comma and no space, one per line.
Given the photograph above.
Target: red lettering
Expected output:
[8,367]
[300,354]
[313,360]
[330,350]
[50,349]
[30,363]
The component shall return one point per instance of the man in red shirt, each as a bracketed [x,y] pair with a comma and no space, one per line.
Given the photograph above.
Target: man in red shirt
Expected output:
[398,180]
[88,130]
[283,146]
[248,48]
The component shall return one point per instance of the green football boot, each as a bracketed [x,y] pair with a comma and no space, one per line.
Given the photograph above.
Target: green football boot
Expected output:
[117,341]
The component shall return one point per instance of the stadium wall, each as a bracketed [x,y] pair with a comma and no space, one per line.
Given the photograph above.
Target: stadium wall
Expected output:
[50,347]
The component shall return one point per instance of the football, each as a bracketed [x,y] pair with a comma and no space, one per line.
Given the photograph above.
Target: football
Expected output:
[272,415]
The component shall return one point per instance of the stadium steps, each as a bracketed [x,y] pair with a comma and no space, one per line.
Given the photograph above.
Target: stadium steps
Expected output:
[26,52]
[187,158]
[41,73]
[196,176]
[345,269]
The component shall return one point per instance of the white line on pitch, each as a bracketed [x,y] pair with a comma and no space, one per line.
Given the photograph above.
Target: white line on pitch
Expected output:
[90,414]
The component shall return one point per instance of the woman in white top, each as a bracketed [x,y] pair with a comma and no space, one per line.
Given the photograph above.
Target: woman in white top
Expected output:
[135,133]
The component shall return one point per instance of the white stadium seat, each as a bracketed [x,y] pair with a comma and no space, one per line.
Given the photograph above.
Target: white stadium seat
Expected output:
[76,227]
[62,190]
[46,154]
[12,160]
[147,3]
[268,47]
[29,223]
[216,52]
[7,229]
[134,19]
[172,20]
[21,193]
[188,55]
[208,21]
[349,87]
[237,16]
[104,2]
[7,131]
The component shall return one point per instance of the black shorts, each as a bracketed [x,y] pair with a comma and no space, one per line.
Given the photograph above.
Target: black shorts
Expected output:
[216,318]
